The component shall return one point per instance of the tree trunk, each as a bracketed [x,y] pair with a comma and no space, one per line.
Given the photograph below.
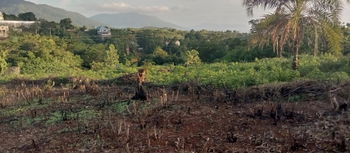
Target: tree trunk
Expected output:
[280,54]
[316,43]
[295,65]
[297,44]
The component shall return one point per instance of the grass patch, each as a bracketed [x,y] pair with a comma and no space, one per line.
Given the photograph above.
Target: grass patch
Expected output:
[120,107]
[18,110]
[64,115]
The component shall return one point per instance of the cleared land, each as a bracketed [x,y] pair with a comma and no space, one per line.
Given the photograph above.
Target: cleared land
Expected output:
[40,116]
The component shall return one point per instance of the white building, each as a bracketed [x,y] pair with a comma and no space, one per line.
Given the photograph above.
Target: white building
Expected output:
[178,43]
[104,31]
[16,24]
[6,25]
[4,30]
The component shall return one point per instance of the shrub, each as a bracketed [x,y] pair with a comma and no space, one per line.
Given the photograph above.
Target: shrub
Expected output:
[192,57]
[3,65]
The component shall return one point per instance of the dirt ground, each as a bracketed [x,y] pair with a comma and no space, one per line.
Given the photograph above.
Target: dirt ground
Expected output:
[102,118]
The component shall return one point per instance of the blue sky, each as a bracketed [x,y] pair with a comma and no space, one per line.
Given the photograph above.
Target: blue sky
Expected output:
[212,14]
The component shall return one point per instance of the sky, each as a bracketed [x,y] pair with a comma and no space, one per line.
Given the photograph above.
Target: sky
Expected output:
[209,14]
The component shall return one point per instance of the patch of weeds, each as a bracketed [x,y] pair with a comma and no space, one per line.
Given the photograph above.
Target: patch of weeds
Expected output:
[68,130]
[33,105]
[65,115]
[120,107]
[24,122]
[87,114]
[83,98]
[149,105]
[56,117]
[13,111]
[86,97]
[90,144]
[33,121]
[296,98]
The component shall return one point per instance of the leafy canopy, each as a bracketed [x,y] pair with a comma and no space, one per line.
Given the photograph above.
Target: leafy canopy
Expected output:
[294,20]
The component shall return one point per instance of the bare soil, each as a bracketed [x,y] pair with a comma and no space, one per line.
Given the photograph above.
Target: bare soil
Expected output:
[295,117]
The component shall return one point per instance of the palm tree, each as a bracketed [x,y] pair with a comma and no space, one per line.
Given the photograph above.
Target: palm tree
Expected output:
[293,20]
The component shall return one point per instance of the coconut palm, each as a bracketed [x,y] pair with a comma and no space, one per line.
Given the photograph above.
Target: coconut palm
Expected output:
[293,20]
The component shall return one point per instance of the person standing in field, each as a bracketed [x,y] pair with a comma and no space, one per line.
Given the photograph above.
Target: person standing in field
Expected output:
[140,92]
[141,76]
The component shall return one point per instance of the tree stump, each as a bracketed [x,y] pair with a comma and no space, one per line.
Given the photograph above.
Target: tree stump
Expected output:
[140,94]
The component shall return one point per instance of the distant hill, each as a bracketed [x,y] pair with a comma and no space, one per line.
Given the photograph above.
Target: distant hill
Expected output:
[44,12]
[132,20]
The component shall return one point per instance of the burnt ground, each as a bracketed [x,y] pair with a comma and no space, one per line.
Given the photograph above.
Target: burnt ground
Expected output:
[102,118]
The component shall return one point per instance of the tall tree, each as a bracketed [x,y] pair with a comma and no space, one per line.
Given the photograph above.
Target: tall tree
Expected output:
[10,16]
[112,57]
[29,16]
[286,27]
[3,63]
[66,23]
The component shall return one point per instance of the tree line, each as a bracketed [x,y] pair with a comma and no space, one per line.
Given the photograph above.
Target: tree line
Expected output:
[48,41]
[152,45]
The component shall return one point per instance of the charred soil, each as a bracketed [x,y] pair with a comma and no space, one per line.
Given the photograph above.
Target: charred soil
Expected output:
[292,117]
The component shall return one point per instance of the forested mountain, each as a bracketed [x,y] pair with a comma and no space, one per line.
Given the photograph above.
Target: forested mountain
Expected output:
[132,20]
[44,11]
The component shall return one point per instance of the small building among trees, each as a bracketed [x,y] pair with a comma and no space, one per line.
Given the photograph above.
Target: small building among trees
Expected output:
[4,31]
[7,25]
[177,43]
[104,31]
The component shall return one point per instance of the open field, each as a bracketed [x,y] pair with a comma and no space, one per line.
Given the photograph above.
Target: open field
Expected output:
[282,85]
[292,117]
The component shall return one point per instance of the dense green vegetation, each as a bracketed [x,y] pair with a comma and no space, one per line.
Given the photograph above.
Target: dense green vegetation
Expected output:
[136,46]
[294,24]
[236,75]
[50,49]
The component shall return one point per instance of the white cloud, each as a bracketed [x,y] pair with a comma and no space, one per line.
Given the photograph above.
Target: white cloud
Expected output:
[115,5]
[182,12]
[122,6]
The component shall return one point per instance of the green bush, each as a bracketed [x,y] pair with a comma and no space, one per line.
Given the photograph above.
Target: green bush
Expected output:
[3,65]
[43,56]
